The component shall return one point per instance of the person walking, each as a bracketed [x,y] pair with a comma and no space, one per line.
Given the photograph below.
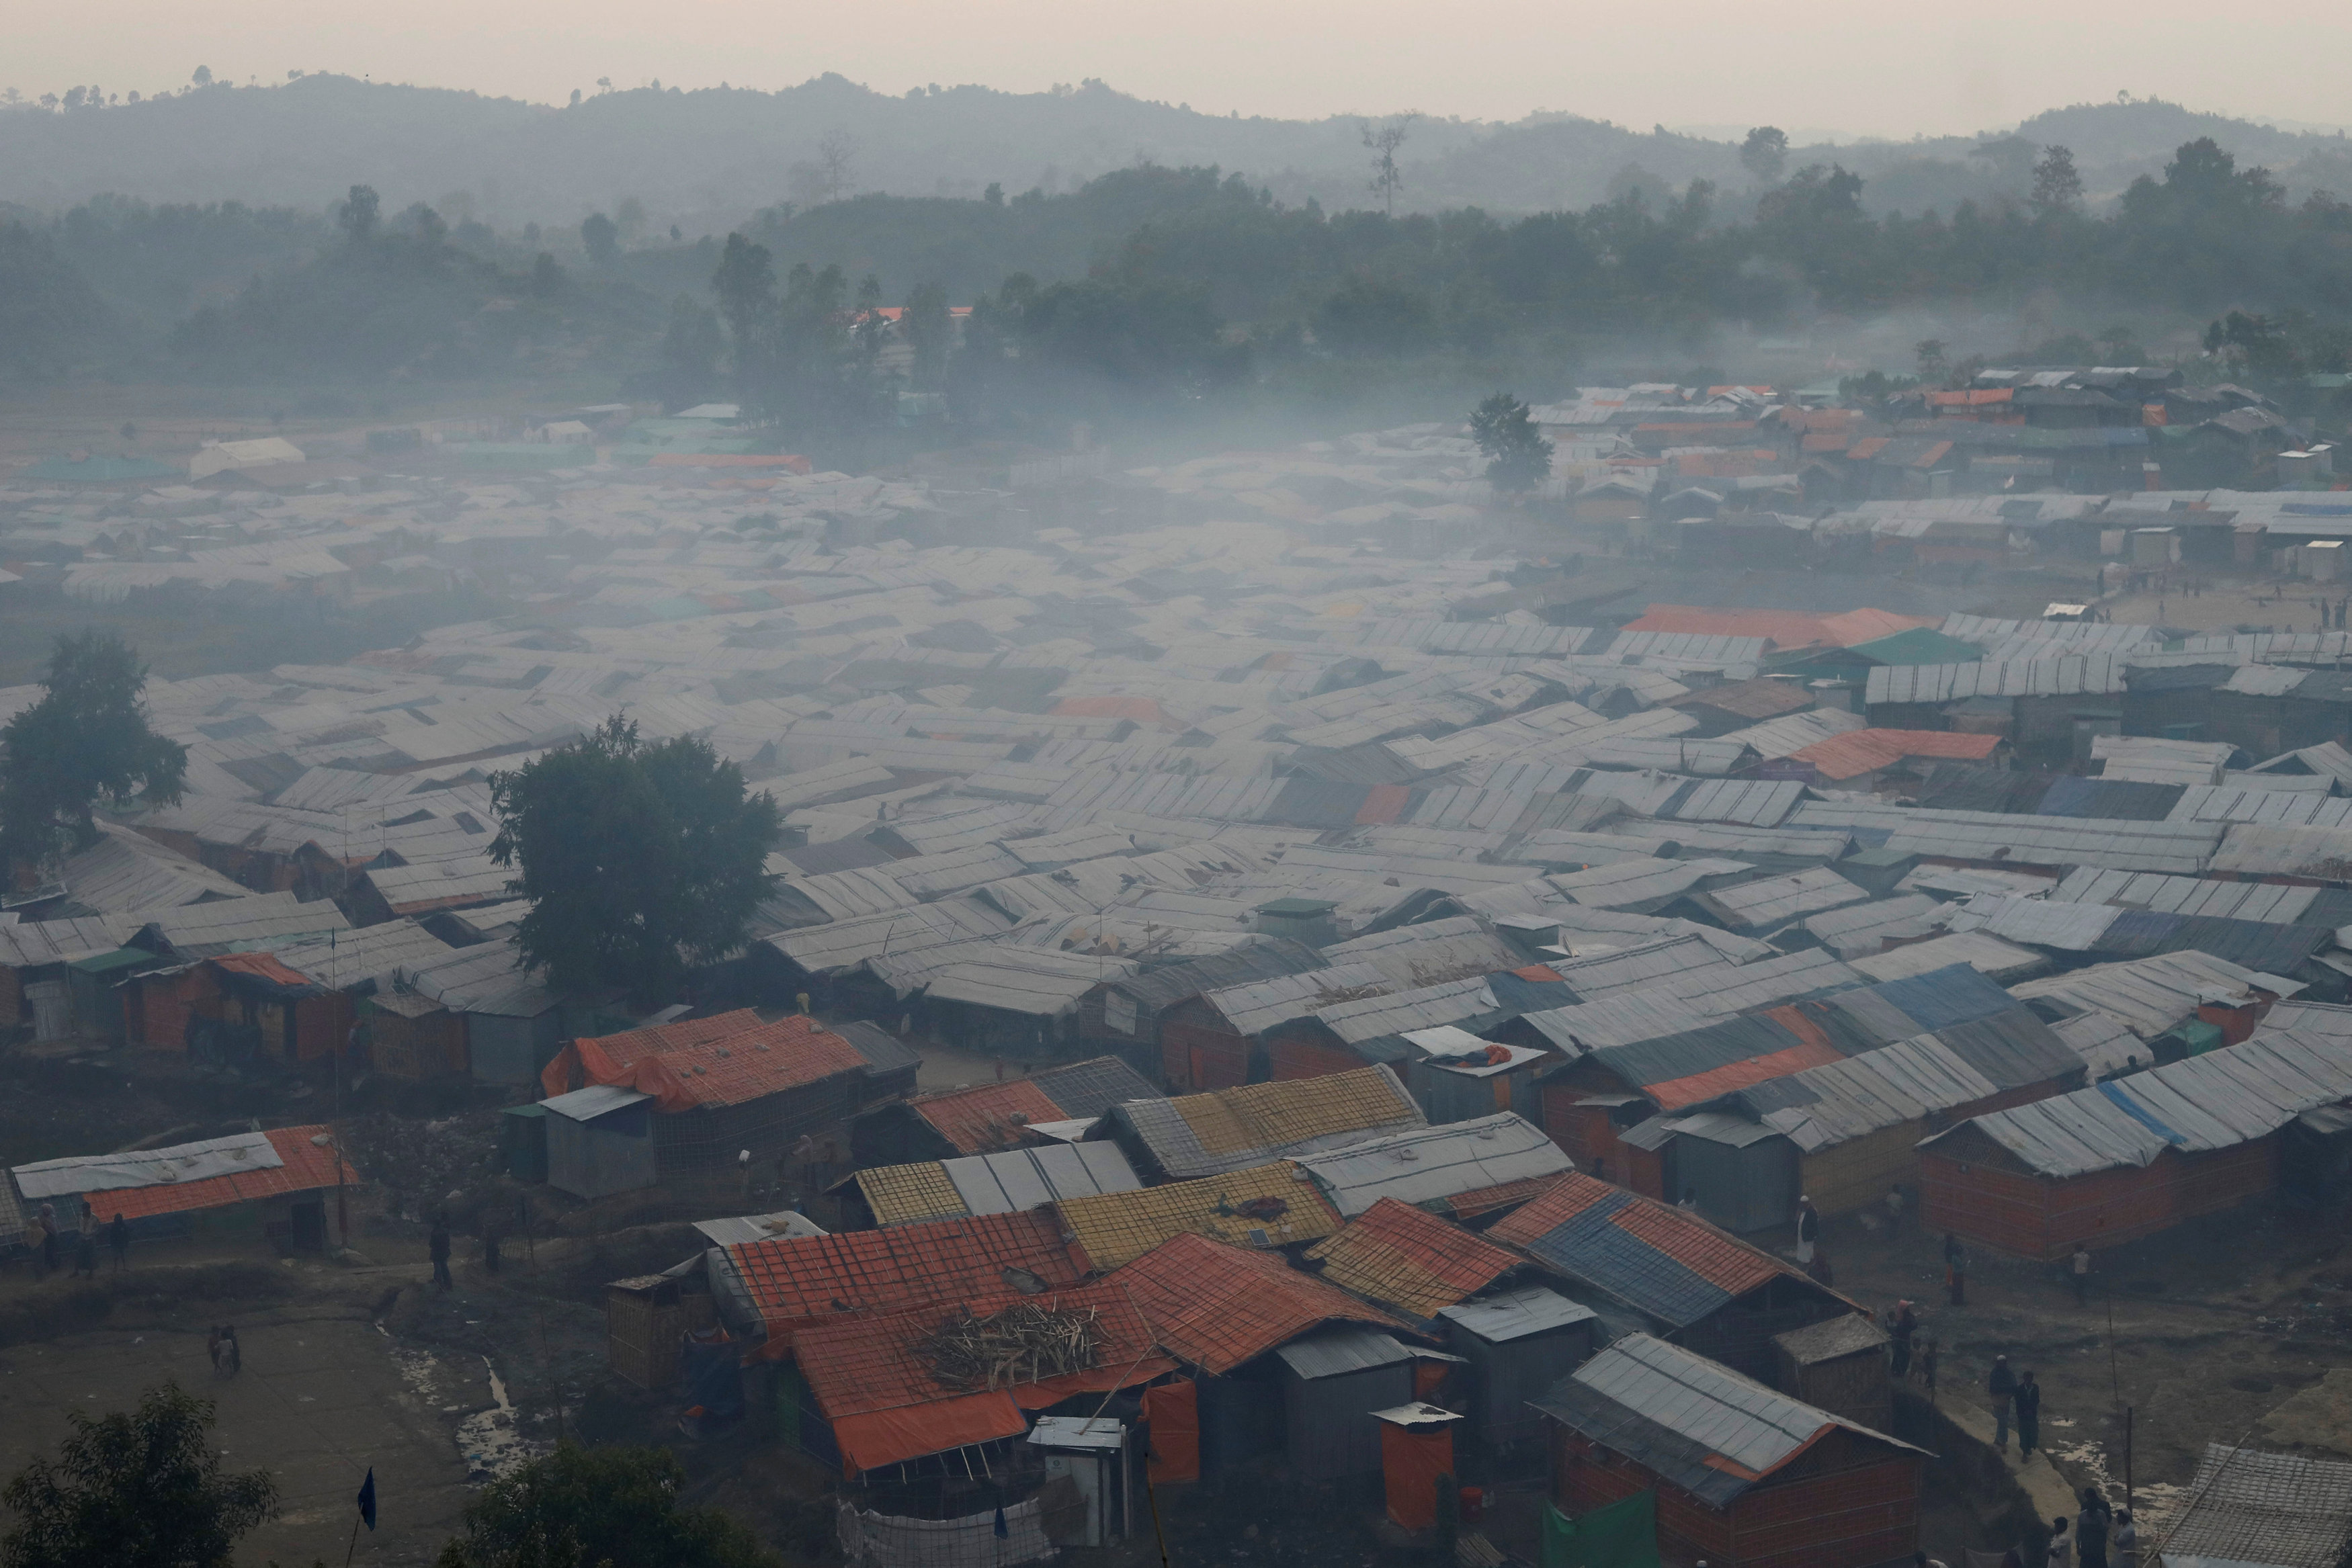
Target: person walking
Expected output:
[2001,1387]
[1956,1270]
[2027,1401]
[437,1247]
[1904,1330]
[118,1241]
[1809,1228]
[2079,1266]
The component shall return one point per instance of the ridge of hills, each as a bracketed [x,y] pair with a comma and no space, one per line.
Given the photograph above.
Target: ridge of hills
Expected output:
[707,159]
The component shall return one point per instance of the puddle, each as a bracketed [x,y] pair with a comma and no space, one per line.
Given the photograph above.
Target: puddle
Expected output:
[491,1440]
[2156,1502]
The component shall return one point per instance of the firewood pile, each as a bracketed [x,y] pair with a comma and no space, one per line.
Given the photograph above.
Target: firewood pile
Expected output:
[1023,1344]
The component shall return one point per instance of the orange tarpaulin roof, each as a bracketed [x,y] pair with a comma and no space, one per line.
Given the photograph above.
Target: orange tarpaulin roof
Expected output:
[1860,751]
[1781,628]
[308,1167]
[727,1060]
[893,1436]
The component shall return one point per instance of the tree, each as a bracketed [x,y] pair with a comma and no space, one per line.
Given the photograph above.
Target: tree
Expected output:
[143,1489]
[929,331]
[578,1508]
[1765,153]
[639,858]
[87,737]
[1934,355]
[356,215]
[2057,188]
[1368,316]
[1382,143]
[1517,457]
[602,237]
[203,76]
[546,277]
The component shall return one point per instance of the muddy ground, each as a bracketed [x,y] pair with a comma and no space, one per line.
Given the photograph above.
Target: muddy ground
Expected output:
[2233,1328]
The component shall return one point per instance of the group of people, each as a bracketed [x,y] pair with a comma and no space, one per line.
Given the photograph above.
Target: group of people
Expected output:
[45,1240]
[2098,1530]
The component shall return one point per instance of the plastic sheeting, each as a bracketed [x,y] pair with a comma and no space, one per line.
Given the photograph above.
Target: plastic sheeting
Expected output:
[1412,1464]
[1172,1411]
[1623,1534]
[149,1168]
[886,1541]
[883,1437]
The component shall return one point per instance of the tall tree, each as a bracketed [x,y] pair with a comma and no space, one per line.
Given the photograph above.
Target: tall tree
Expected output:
[2057,187]
[580,1508]
[601,237]
[1765,153]
[141,1489]
[1382,141]
[929,332]
[640,859]
[1517,457]
[356,214]
[87,737]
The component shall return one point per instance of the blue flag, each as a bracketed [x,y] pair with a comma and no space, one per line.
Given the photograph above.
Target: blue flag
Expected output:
[1000,1531]
[367,1498]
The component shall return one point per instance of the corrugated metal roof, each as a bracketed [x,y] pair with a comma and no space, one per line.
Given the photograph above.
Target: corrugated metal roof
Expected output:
[2276,902]
[1510,1315]
[2052,675]
[2323,854]
[1338,1351]
[1428,1165]
[1773,902]
[2216,1100]
[1230,1129]
[1024,1179]
[2039,923]
[2281,1511]
[2146,995]
[1262,1005]
[1986,954]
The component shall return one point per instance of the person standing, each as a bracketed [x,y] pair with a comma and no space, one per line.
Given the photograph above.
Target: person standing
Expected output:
[2079,1266]
[85,1254]
[1809,1228]
[118,1241]
[437,1247]
[1956,1270]
[2027,1400]
[2126,1541]
[1927,1359]
[2001,1387]
[2091,1530]
[1690,1199]
[2062,1545]
[1904,1330]
[50,1259]
[35,1234]
[1893,1212]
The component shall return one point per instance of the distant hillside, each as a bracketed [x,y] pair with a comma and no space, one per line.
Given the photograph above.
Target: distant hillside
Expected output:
[706,160]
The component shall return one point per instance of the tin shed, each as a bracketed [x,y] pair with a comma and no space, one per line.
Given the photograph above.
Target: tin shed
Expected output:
[1331,1382]
[600,1140]
[1517,1345]
[1839,1366]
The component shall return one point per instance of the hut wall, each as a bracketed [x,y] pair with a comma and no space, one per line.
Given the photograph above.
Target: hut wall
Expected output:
[1855,1174]
[642,1326]
[599,1158]
[2043,1217]
[1584,1133]
[1328,1422]
[511,1050]
[1197,1051]
[417,1049]
[1504,1376]
[1293,1056]
[1741,1190]
[1854,1386]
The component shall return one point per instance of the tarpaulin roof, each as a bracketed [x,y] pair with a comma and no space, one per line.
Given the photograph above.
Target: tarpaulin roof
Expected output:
[799,1281]
[1227,1129]
[725,1060]
[859,1368]
[1662,1261]
[302,1165]
[1409,1259]
[1269,1205]
[1220,1306]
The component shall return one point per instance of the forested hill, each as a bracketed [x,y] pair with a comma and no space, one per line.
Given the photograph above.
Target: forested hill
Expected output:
[705,159]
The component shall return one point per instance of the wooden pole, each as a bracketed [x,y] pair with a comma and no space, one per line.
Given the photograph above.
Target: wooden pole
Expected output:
[354,1545]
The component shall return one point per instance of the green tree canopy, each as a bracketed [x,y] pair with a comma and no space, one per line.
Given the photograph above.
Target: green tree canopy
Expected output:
[578,1508]
[640,858]
[143,1489]
[87,737]
[1517,457]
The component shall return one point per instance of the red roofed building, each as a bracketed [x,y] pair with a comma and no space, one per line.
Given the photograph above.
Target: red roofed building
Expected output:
[1295,1365]
[991,1117]
[1402,1256]
[1781,629]
[870,1399]
[789,1285]
[283,1201]
[705,1091]
[1868,758]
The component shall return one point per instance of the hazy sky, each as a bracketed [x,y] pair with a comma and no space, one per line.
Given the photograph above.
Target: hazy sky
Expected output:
[1891,70]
